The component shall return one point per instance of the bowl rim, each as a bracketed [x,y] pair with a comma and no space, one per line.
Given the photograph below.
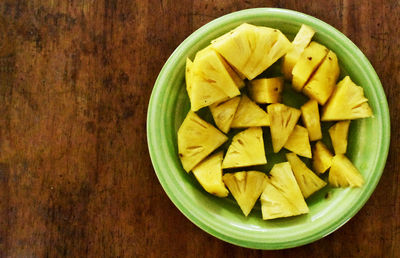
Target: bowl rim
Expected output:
[302,18]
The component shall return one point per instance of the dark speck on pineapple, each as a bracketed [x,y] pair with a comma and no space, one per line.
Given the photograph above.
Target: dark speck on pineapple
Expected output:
[310,58]
[327,195]
[330,58]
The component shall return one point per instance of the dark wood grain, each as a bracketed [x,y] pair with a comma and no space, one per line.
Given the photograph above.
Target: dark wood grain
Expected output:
[75,174]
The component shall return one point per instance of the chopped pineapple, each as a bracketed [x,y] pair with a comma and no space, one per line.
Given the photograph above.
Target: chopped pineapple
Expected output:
[279,49]
[322,160]
[309,61]
[308,182]
[343,173]
[214,79]
[275,205]
[245,187]
[252,49]
[310,117]
[338,133]
[282,122]
[300,42]
[214,70]
[197,139]
[298,142]
[246,149]
[224,112]
[346,103]
[249,114]
[235,76]
[210,81]
[188,73]
[283,180]
[266,90]
[322,83]
[209,175]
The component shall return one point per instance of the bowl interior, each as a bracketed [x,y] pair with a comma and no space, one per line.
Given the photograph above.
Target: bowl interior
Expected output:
[329,208]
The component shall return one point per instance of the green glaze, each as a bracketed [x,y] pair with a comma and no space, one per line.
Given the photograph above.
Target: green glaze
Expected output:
[221,217]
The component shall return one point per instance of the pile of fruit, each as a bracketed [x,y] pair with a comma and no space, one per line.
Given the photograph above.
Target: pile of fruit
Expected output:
[225,77]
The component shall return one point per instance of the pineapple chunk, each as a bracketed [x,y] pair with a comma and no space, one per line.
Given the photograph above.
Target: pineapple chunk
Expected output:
[239,81]
[347,102]
[210,81]
[310,117]
[338,134]
[188,73]
[308,182]
[282,122]
[246,149]
[275,205]
[267,90]
[322,158]
[209,175]
[235,76]
[249,114]
[298,142]
[309,61]
[343,173]
[245,187]
[279,49]
[322,83]
[215,71]
[251,49]
[283,180]
[224,112]
[205,95]
[300,42]
[197,139]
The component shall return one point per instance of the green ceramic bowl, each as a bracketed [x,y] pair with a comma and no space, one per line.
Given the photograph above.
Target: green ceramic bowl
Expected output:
[221,217]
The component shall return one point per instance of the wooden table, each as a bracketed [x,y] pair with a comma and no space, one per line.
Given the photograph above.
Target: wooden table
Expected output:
[75,173]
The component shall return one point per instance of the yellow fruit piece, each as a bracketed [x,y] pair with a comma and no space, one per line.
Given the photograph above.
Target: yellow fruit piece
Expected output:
[284,182]
[322,83]
[282,122]
[322,158]
[300,42]
[343,173]
[275,205]
[249,114]
[266,90]
[338,134]
[196,140]
[239,81]
[214,69]
[279,49]
[307,180]
[235,76]
[346,103]
[224,112]
[246,149]
[309,61]
[310,117]
[245,187]
[298,142]
[210,81]
[188,73]
[251,49]
[241,76]
[209,175]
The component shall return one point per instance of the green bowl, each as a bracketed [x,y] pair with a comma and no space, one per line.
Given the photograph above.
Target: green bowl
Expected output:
[221,217]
